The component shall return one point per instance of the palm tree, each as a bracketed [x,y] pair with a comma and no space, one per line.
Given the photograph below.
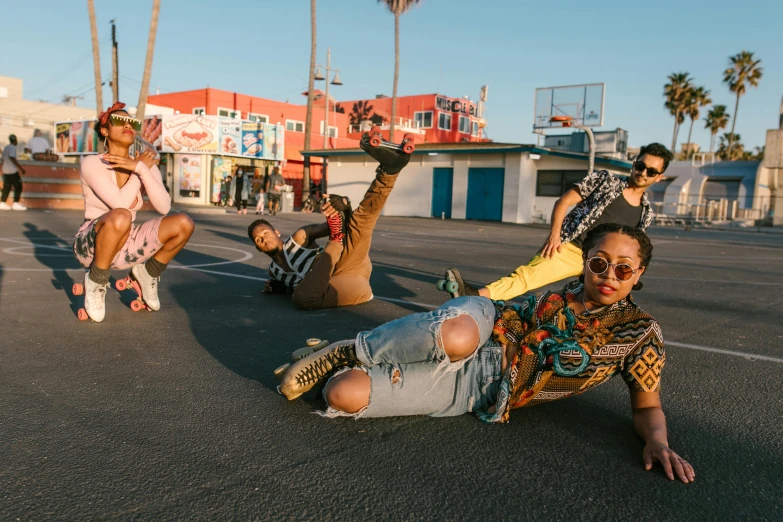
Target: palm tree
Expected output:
[397,7]
[676,95]
[716,120]
[96,57]
[309,114]
[697,98]
[743,69]
[145,79]
[730,147]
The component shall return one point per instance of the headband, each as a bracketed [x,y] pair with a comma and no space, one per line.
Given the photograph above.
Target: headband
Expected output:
[104,116]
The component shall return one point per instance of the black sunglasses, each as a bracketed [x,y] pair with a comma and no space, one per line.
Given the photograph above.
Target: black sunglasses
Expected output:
[622,271]
[640,166]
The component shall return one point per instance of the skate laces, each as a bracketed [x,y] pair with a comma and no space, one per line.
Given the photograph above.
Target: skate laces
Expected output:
[335,223]
[324,365]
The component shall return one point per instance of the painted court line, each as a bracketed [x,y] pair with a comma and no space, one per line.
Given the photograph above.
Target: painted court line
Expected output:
[747,356]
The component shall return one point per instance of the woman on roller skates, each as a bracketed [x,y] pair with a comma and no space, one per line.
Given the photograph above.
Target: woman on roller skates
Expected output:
[113,184]
[489,357]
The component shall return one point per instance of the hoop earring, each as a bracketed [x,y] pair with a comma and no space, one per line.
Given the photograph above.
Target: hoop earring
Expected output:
[106,142]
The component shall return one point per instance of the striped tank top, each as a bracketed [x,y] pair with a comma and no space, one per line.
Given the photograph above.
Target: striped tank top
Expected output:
[300,260]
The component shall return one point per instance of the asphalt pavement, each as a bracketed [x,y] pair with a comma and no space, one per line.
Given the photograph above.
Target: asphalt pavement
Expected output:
[174,415]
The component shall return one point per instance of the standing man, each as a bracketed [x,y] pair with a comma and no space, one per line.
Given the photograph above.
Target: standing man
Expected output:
[11,176]
[599,198]
[37,144]
[274,187]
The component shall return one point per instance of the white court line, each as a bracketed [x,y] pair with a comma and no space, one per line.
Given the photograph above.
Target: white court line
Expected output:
[747,356]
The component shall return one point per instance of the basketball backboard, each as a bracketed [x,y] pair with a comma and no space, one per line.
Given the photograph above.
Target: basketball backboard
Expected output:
[583,104]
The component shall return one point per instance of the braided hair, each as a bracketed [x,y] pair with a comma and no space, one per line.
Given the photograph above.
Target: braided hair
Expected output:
[596,234]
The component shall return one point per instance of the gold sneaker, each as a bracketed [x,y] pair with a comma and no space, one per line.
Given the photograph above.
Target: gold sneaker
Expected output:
[307,372]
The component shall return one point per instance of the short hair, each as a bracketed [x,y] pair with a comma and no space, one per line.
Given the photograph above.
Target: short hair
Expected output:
[256,223]
[641,237]
[11,137]
[659,151]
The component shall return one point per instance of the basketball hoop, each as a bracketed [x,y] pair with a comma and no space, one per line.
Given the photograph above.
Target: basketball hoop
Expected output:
[565,121]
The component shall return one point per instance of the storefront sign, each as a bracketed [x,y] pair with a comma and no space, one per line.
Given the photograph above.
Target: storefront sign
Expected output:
[189,175]
[252,139]
[455,105]
[230,136]
[75,137]
[189,133]
[152,131]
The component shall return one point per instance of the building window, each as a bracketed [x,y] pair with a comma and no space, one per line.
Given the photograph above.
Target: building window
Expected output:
[474,129]
[464,125]
[555,183]
[294,126]
[258,118]
[229,113]
[201,111]
[423,119]
[444,121]
[332,130]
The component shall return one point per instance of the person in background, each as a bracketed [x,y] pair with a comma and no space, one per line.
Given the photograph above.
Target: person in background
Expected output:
[37,144]
[258,190]
[12,172]
[240,188]
[274,188]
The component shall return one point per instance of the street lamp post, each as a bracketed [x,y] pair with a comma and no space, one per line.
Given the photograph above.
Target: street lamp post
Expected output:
[335,81]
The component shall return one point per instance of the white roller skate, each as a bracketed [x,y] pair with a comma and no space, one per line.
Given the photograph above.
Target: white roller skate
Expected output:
[94,299]
[148,286]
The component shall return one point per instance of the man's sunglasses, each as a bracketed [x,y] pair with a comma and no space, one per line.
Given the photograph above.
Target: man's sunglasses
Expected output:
[118,120]
[639,166]
[622,271]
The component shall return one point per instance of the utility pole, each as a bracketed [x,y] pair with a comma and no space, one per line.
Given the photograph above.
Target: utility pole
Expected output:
[115,68]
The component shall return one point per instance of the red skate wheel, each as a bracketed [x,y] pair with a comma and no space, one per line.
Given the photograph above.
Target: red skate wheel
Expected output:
[121,284]
[375,141]
[77,289]
[408,148]
[137,305]
[82,314]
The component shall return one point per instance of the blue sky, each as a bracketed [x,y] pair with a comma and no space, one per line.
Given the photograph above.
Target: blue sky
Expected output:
[453,47]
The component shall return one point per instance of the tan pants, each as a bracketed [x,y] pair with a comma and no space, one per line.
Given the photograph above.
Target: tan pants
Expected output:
[340,275]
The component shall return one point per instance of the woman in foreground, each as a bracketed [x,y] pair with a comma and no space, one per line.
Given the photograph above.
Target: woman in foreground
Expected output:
[113,185]
[476,355]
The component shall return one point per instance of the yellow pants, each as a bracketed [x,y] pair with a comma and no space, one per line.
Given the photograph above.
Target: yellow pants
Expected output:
[539,272]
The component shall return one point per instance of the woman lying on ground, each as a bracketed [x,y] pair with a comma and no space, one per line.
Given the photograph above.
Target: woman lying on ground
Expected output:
[476,355]
[113,185]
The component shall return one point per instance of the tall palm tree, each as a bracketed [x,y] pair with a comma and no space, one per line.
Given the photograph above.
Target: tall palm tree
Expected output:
[145,80]
[697,98]
[96,57]
[742,70]
[730,147]
[309,113]
[676,92]
[716,120]
[397,7]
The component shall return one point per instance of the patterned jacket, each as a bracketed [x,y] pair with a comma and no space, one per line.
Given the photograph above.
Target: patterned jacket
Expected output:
[598,190]
[560,354]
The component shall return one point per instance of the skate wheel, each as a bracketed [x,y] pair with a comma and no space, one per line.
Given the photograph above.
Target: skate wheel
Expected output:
[280,371]
[137,305]
[375,141]
[82,314]
[452,287]
[441,284]
[408,148]
[121,284]
[77,289]
[312,341]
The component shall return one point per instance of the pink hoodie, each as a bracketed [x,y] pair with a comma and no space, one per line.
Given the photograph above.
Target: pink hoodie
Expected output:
[101,192]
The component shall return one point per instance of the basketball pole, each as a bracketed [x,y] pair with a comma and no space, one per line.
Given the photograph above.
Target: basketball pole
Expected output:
[591,139]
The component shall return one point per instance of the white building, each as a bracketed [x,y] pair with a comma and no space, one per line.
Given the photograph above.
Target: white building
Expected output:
[490,181]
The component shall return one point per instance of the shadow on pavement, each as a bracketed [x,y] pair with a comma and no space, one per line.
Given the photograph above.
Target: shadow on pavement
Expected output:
[56,253]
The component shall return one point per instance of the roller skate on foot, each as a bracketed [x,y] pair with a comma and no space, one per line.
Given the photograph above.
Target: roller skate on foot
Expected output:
[94,299]
[313,345]
[145,286]
[454,285]
[392,157]
[338,222]
[304,374]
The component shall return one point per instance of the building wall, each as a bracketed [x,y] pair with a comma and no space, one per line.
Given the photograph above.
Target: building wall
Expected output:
[21,117]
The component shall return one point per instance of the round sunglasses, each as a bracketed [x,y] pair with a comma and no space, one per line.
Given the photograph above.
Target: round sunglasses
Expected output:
[622,271]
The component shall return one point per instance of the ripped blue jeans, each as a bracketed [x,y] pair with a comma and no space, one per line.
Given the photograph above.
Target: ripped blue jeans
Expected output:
[411,374]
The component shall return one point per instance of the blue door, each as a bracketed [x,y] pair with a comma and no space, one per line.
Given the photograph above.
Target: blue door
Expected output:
[485,194]
[442,180]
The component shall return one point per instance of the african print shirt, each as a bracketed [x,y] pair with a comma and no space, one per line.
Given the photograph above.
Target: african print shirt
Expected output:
[299,258]
[561,354]
[598,190]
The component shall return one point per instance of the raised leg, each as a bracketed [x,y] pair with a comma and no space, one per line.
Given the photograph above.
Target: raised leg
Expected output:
[174,232]
[111,233]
